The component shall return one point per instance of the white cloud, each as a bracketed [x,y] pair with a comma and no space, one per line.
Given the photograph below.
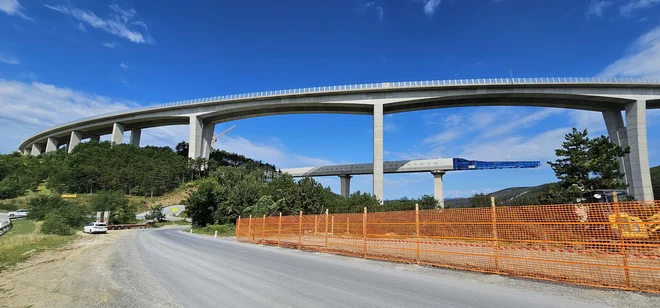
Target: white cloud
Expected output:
[110,44]
[597,7]
[443,137]
[31,107]
[8,59]
[12,7]
[122,65]
[525,121]
[271,152]
[390,127]
[430,6]
[643,59]
[81,27]
[627,9]
[120,22]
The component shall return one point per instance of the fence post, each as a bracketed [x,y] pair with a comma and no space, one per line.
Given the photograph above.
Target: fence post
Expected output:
[622,246]
[250,239]
[364,233]
[615,197]
[263,228]
[316,223]
[332,225]
[238,228]
[417,230]
[279,229]
[348,225]
[300,231]
[496,242]
[326,230]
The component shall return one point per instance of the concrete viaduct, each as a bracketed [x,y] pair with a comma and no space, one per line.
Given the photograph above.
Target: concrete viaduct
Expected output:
[610,96]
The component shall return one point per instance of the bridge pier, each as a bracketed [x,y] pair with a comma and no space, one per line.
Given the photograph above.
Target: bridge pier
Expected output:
[136,133]
[26,151]
[639,155]
[438,189]
[75,139]
[95,138]
[207,135]
[51,144]
[617,133]
[195,139]
[378,186]
[37,149]
[117,133]
[345,185]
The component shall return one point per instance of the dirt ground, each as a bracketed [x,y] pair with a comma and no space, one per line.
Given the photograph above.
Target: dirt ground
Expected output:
[93,271]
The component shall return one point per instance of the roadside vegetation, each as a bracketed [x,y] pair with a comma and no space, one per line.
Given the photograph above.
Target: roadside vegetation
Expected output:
[223,230]
[25,240]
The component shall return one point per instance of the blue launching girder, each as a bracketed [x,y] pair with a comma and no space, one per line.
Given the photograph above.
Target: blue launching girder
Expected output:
[464,164]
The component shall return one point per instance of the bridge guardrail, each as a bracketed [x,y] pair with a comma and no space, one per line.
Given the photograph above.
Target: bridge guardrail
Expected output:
[371,86]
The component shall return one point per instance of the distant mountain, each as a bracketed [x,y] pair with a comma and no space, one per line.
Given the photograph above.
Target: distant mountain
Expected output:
[528,195]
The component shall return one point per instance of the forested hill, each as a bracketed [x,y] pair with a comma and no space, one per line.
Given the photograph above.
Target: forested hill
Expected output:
[146,171]
[529,195]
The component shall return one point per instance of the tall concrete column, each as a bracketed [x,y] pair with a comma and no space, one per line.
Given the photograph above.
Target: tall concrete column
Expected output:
[135,137]
[75,139]
[379,189]
[639,155]
[207,135]
[51,145]
[26,151]
[195,140]
[37,149]
[438,189]
[95,138]
[345,185]
[117,133]
[618,135]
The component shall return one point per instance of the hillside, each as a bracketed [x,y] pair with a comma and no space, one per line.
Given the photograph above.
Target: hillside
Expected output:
[527,195]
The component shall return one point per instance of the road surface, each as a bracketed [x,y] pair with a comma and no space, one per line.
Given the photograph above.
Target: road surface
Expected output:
[200,271]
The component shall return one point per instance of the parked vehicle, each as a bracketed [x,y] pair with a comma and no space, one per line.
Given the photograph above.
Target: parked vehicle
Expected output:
[95,227]
[18,214]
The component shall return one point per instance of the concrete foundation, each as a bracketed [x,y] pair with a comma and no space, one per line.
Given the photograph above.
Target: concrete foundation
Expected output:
[345,185]
[117,133]
[51,145]
[74,140]
[135,137]
[639,156]
[438,189]
[37,149]
[379,189]
[195,139]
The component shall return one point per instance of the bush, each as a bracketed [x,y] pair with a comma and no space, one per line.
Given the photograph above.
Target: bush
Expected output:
[8,207]
[56,224]
[155,214]
[41,205]
[223,230]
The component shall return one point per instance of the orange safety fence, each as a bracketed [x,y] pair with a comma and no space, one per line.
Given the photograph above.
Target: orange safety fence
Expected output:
[613,245]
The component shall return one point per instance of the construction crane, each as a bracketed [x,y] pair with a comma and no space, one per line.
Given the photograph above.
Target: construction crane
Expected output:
[219,135]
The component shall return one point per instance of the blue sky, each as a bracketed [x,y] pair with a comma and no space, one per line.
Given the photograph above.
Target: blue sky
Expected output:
[65,59]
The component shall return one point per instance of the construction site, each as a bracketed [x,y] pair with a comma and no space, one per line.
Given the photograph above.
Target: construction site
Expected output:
[610,245]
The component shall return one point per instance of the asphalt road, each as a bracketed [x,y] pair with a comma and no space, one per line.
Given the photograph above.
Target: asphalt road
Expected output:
[200,271]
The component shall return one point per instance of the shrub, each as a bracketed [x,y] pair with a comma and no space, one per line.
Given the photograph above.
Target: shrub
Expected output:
[56,224]
[156,214]
[41,205]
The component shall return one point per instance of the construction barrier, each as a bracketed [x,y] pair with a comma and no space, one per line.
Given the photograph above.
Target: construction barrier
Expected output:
[612,245]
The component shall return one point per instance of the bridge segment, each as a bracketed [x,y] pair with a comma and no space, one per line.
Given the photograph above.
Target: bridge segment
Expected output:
[610,96]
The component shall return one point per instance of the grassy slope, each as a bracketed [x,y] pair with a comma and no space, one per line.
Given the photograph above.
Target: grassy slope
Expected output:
[24,237]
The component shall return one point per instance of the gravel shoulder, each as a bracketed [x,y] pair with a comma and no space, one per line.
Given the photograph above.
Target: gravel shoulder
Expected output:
[101,270]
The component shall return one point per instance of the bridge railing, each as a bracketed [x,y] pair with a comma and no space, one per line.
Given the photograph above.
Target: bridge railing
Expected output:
[371,86]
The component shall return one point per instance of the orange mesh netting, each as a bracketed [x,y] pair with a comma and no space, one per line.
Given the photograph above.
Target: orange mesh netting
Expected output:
[615,245]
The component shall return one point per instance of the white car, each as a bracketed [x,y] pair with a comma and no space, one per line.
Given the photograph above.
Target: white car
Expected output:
[18,214]
[95,227]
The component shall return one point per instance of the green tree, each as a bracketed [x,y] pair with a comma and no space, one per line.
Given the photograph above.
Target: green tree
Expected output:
[573,163]
[202,204]
[479,200]
[156,214]
[42,205]
[585,164]
[121,210]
